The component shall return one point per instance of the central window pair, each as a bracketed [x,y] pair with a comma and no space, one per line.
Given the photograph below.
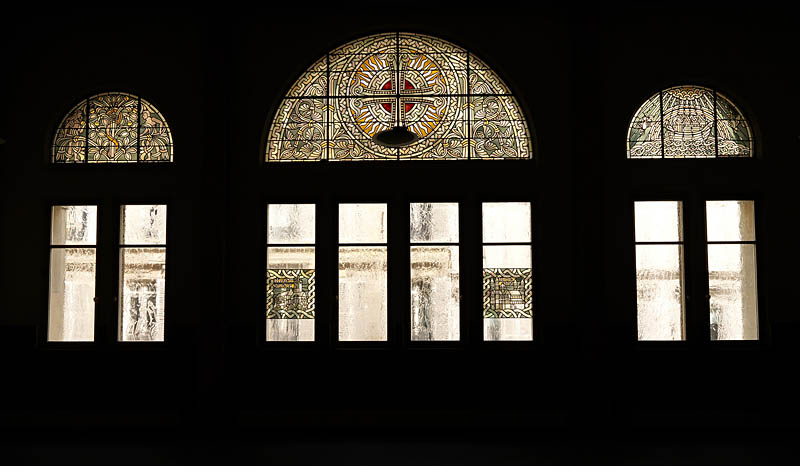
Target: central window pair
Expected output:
[435,262]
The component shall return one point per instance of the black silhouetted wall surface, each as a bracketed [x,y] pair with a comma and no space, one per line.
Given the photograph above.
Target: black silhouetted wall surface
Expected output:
[584,391]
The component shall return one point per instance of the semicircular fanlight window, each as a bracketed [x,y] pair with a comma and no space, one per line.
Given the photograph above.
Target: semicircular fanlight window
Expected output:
[113,127]
[459,108]
[689,121]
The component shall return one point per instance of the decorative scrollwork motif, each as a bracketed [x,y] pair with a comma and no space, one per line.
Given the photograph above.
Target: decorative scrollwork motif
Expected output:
[113,127]
[507,293]
[291,293]
[400,79]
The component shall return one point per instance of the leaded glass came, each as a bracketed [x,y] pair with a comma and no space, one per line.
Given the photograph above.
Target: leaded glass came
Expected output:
[689,121]
[459,108]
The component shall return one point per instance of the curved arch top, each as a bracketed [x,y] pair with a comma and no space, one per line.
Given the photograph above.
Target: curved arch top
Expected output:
[689,122]
[459,108]
[112,127]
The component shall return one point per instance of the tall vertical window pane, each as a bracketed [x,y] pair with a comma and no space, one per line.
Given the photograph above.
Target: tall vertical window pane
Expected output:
[507,271]
[291,274]
[143,250]
[659,270]
[434,272]
[363,270]
[733,300]
[72,273]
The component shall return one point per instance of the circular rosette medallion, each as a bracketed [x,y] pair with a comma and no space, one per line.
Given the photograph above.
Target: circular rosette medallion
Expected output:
[388,85]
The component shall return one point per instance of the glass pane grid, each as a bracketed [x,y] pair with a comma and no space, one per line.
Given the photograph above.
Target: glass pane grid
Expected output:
[142,251]
[437,86]
[660,302]
[507,271]
[291,274]
[689,122]
[113,133]
[73,259]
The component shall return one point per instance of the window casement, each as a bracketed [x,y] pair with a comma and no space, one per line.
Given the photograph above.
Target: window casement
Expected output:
[694,218]
[398,255]
[424,243]
[722,268]
[80,245]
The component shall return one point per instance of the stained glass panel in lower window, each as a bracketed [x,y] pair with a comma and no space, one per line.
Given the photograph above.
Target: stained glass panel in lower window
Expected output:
[507,293]
[291,293]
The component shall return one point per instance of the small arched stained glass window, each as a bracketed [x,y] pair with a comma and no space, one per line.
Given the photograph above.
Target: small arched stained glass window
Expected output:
[689,122]
[113,127]
[455,105]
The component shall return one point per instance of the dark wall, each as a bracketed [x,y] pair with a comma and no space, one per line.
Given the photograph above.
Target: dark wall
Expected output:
[218,80]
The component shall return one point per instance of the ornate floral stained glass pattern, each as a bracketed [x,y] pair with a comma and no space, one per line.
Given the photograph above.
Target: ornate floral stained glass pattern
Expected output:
[113,127]
[689,121]
[458,107]
[507,293]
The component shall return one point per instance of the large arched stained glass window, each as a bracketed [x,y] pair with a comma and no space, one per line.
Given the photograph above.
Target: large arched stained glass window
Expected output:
[456,105]
[689,121]
[112,127]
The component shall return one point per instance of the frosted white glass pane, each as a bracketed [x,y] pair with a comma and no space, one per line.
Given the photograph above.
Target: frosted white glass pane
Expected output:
[143,286]
[658,221]
[506,222]
[659,292]
[434,293]
[290,329]
[508,329]
[732,290]
[291,223]
[434,223]
[362,223]
[291,293]
[144,224]
[71,310]
[362,294]
[730,221]
[507,257]
[74,224]
[290,257]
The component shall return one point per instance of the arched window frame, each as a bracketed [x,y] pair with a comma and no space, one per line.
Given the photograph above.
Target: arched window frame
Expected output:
[112,202]
[695,181]
[359,181]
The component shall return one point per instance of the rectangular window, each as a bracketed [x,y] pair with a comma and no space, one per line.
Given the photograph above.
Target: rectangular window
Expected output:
[507,271]
[142,255]
[733,301]
[291,278]
[73,259]
[434,272]
[660,300]
[363,272]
